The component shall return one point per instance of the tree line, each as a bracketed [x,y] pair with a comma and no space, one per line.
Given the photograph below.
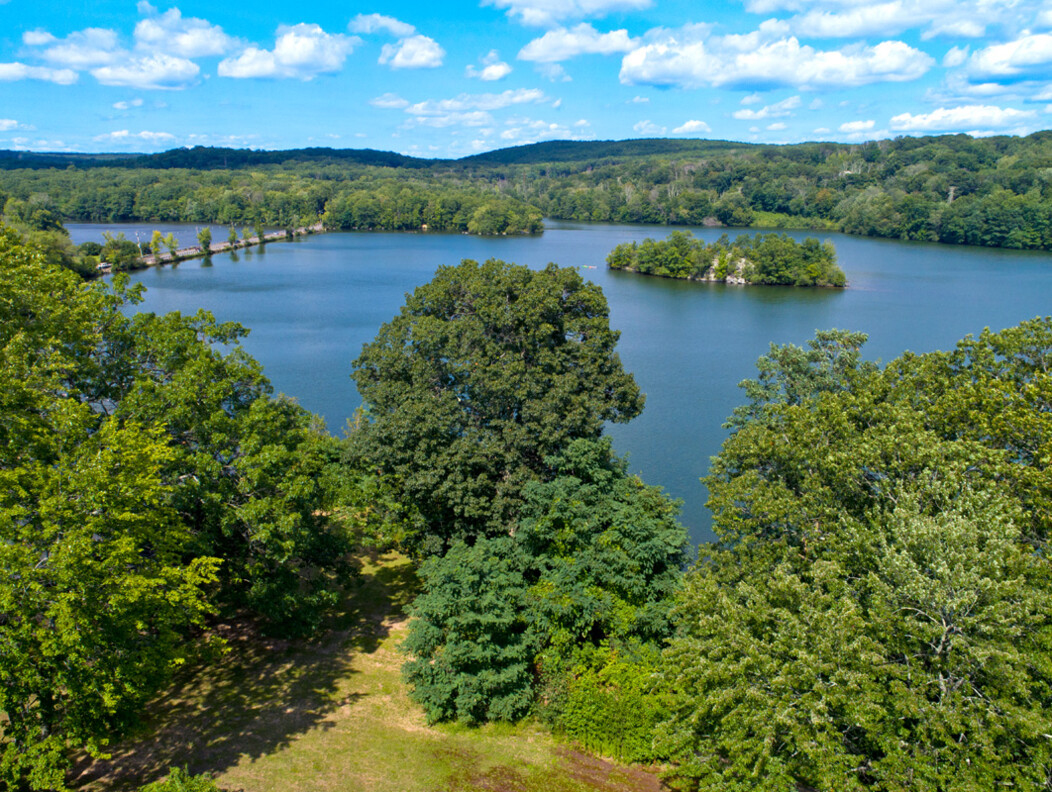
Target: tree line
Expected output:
[952,189]
[771,259]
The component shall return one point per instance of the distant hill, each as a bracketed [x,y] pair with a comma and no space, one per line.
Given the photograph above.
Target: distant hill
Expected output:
[213,158]
[208,158]
[574,150]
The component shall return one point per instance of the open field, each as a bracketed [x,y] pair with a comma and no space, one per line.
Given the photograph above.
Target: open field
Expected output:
[333,716]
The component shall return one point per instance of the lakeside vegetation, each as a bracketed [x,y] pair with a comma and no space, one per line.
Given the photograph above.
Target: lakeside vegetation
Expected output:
[954,189]
[875,614]
[769,259]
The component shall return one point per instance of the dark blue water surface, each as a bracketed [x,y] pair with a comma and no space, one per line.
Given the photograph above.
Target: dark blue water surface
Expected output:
[311,304]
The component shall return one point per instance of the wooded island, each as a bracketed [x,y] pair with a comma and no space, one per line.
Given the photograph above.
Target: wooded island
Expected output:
[769,259]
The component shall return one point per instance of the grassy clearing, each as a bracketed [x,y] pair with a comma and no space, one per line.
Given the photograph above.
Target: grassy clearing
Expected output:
[333,716]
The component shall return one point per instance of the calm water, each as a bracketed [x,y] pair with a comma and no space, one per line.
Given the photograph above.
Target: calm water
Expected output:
[311,305]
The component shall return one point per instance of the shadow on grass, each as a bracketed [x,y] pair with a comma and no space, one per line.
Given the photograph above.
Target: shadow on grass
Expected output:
[257,698]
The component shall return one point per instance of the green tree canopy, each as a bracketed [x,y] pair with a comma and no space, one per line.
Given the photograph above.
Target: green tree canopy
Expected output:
[488,370]
[874,615]
[147,480]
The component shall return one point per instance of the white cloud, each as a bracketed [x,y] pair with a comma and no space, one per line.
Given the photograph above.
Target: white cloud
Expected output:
[300,52]
[640,100]
[189,38]
[965,117]
[857,126]
[553,72]
[776,110]
[816,104]
[493,68]
[689,59]
[389,101]
[151,72]
[563,43]
[778,126]
[751,99]
[691,128]
[37,38]
[649,128]
[10,72]
[124,136]
[127,105]
[955,57]
[854,19]
[1027,55]
[473,102]
[7,124]
[371,23]
[471,118]
[415,52]
[82,49]
[864,20]
[551,12]
[521,131]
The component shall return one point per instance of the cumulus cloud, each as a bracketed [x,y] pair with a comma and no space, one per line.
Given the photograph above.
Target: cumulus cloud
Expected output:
[493,68]
[471,118]
[372,23]
[11,72]
[955,57]
[415,52]
[857,126]
[7,124]
[521,131]
[965,117]
[853,19]
[170,32]
[300,52]
[777,126]
[127,105]
[473,102]
[551,12]
[688,58]
[648,128]
[151,72]
[125,136]
[1027,56]
[389,101]
[565,43]
[37,38]
[553,72]
[82,49]
[692,128]
[776,110]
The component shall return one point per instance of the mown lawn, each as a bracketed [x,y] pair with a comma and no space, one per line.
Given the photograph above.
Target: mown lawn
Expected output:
[333,716]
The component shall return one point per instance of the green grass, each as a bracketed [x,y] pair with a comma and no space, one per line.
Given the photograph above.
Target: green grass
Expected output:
[334,716]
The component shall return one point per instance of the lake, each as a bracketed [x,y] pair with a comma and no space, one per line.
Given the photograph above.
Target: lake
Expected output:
[311,304]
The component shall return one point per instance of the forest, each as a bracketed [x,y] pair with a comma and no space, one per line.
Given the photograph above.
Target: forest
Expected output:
[953,189]
[874,615]
[769,259]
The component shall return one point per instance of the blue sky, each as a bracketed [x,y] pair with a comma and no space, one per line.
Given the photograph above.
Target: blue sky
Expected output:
[447,79]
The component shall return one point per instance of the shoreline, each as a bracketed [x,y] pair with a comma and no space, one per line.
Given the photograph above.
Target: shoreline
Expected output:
[196,252]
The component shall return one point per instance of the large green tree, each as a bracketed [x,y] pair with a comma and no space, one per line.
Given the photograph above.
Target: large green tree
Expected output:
[874,615]
[487,370]
[147,480]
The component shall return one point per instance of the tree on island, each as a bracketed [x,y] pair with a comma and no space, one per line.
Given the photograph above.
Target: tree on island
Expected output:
[204,237]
